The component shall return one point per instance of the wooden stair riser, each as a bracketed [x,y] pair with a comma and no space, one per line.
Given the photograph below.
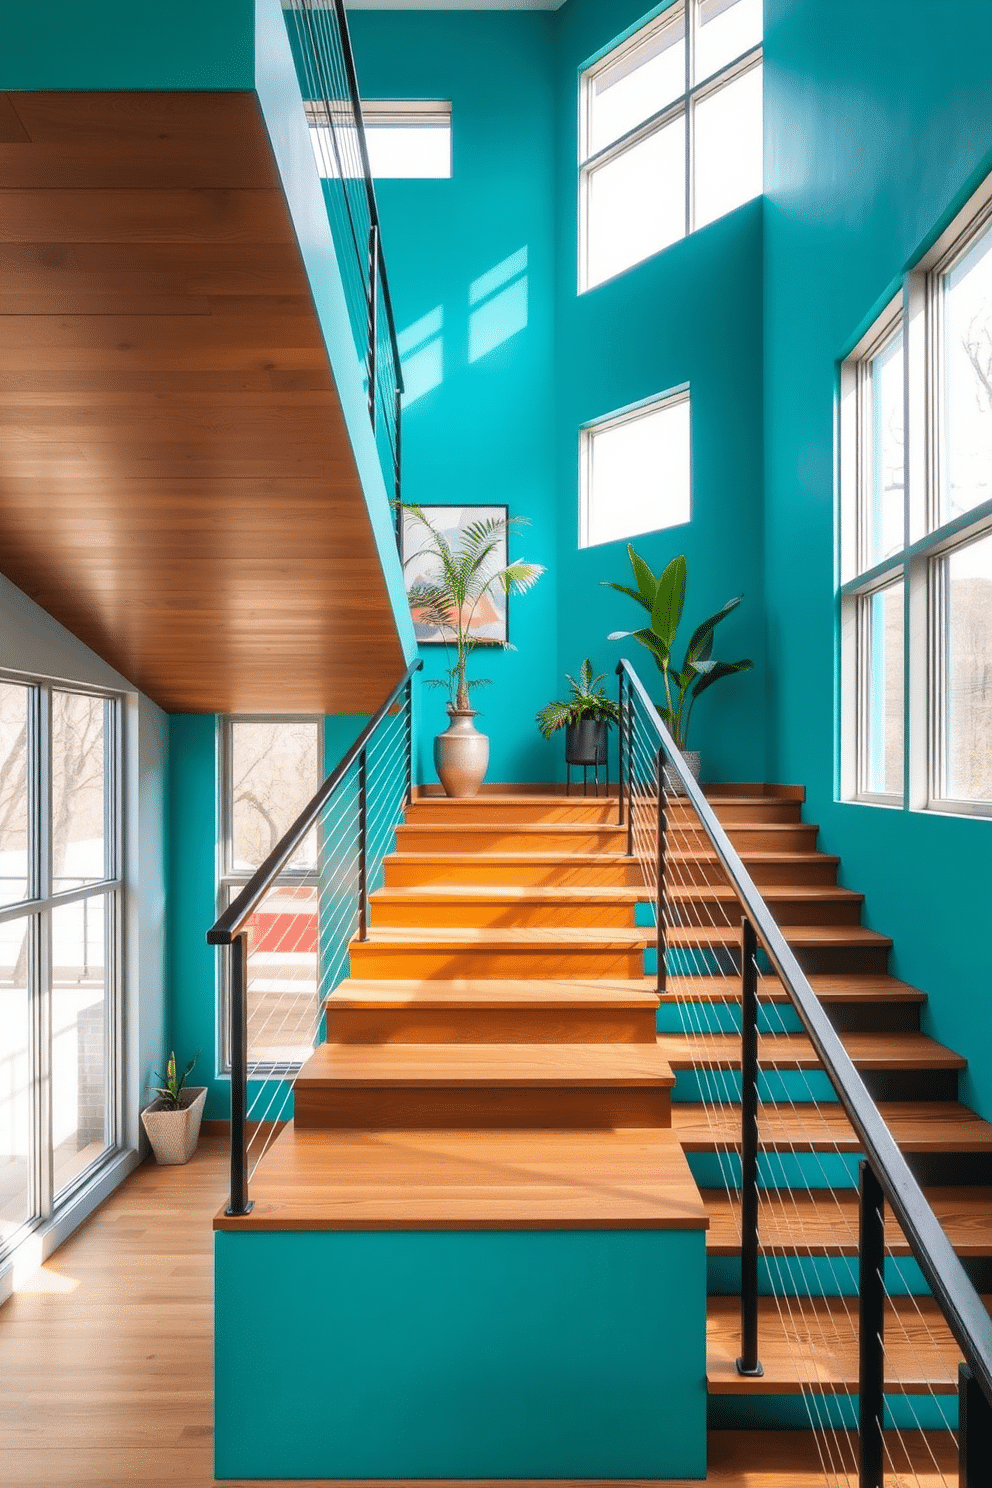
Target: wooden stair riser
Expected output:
[504,1025]
[768,870]
[372,1108]
[493,811]
[699,906]
[676,1015]
[424,962]
[730,813]
[497,839]
[750,837]
[829,955]
[505,914]
[405,872]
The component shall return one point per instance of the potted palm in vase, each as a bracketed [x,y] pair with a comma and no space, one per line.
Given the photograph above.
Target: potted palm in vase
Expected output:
[468,570]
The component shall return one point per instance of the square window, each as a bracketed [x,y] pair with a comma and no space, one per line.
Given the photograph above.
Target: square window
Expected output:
[881,691]
[406,140]
[636,472]
[964,618]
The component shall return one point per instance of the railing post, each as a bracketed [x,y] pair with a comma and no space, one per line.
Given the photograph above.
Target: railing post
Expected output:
[363,843]
[409,742]
[748,1364]
[398,477]
[871,1320]
[620,729]
[373,316]
[630,775]
[974,1432]
[238,1004]
[660,904]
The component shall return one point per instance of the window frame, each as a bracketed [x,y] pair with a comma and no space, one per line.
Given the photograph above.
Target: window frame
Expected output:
[230,880]
[671,398]
[928,540]
[381,113]
[684,106]
[37,908]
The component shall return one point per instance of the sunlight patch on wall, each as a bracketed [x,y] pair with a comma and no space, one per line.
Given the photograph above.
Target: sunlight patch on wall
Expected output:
[422,355]
[500,300]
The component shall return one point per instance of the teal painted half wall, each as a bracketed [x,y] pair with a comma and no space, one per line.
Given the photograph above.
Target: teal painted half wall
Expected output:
[878,124]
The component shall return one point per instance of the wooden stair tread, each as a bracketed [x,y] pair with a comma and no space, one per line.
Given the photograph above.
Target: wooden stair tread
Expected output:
[551,1066]
[508,894]
[795,1459]
[804,1342]
[801,935]
[883,1051]
[466,992]
[460,937]
[771,893]
[845,987]
[917,1126]
[821,1222]
[608,830]
[466,1180]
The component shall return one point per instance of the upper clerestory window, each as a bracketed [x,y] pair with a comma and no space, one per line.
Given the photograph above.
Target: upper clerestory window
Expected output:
[407,139]
[670,132]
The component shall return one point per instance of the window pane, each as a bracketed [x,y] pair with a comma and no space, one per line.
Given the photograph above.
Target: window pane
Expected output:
[724,30]
[635,203]
[283,1001]
[966,438]
[405,151]
[15,1078]
[968,672]
[78,789]
[882,635]
[728,147]
[275,771]
[79,1037]
[638,474]
[885,515]
[641,80]
[13,792]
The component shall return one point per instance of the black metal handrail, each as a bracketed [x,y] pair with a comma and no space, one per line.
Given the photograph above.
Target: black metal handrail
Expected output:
[328,60]
[230,928]
[966,1315]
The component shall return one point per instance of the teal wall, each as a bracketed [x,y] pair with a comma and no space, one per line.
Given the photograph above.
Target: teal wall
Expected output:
[116,44]
[468,1354]
[505,426]
[471,270]
[877,125]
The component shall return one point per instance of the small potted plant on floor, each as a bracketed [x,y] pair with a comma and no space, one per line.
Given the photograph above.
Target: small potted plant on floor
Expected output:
[585,715]
[172,1121]
[663,597]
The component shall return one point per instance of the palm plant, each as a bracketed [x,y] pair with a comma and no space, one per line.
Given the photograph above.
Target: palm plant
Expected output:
[664,597]
[468,571]
[587,700]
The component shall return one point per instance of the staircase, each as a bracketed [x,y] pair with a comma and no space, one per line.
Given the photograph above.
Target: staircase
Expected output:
[499,1059]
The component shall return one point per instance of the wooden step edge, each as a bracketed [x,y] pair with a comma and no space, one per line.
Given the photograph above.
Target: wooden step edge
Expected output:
[523,938]
[771,893]
[502,1066]
[828,990]
[821,1133]
[429,1001]
[524,829]
[509,894]
[686,1051]
[825,1222]
[813,936]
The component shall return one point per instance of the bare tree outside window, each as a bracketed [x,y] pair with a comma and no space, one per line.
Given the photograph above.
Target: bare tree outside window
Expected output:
[275,771]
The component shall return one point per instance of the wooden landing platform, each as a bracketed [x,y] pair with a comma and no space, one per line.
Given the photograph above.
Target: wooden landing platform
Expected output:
[497,1180]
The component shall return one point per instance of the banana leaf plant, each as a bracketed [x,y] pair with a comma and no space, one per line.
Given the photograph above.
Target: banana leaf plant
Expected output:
[467,571]
[663,597]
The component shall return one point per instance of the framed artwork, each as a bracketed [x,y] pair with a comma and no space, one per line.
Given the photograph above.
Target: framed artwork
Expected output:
[490,622]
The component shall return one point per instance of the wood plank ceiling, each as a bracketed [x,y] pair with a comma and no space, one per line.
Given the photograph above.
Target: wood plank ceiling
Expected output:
[176,482]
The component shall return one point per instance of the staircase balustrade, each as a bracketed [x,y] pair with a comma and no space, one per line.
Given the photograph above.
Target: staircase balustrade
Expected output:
[673,831]
[284,939]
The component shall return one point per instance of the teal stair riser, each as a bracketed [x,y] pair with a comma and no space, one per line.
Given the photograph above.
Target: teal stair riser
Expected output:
[796,1413]
[676,1016]
[817,1276]
[775,1087]
[778,1169]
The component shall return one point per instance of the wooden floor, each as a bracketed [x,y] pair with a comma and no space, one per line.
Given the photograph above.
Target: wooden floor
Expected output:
[106,1358]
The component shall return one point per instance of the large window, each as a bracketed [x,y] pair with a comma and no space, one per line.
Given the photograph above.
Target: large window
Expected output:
[271,768]
[60,890]
[670,132]
[635,473]
[916,535]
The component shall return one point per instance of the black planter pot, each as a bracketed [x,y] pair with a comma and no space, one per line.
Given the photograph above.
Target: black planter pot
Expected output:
[586,742]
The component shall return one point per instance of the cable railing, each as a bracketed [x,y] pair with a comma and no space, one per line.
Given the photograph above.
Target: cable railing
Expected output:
[784,1115]
[318,31]
[284,938]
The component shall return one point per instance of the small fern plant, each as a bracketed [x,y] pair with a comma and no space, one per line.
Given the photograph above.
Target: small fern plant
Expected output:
[172,1087]
[587,700]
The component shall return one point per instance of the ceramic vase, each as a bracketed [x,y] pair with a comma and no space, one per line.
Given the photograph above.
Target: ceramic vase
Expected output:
[461,755]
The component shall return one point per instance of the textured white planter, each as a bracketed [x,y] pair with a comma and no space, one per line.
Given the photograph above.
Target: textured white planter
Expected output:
[173,1134]
[673,784]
